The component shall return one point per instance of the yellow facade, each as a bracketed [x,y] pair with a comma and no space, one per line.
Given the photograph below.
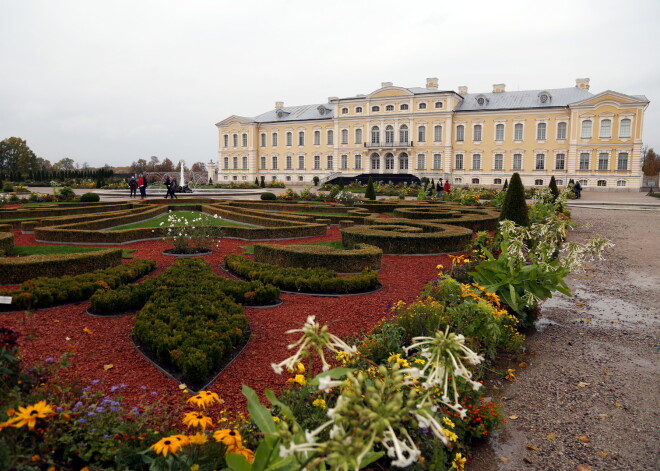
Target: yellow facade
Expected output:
[466,138]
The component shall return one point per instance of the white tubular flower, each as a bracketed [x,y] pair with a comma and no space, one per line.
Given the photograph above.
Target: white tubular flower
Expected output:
[427,420]
[326,382]
[405,451]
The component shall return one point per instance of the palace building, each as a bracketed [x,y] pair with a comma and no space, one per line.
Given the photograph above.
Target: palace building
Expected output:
[467,138]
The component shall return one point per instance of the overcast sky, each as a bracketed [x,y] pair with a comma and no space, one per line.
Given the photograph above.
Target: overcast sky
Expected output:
[115,81]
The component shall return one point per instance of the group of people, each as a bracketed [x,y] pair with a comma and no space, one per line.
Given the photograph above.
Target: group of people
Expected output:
[141,183]
[440,188]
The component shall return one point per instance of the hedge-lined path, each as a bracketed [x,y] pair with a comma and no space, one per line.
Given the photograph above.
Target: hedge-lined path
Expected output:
[45,332]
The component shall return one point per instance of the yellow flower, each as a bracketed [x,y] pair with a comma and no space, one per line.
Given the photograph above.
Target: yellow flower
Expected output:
[194,467]
[343,357]
[229,437]
[198,439]
[183,440]
[420,361]
[447,421]
[87,331]
[319,403]
[166,445]
[276,419]
[29,415]
[297,368]
[450,435]
[459,462]
[197,419]
[396,358]
[204,399]
[300,379]
[245,452]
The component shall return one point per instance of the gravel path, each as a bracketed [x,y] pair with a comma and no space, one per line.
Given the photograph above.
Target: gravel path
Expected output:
[588,397]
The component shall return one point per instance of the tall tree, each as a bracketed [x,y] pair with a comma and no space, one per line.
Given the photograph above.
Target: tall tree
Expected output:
[16,156]
[199,167]
[153,163]
[514,207]
[651,163]
[66,163]
[140,166]
[166,165]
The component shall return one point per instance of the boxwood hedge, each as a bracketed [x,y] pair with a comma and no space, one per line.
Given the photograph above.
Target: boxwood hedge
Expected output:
[357,259]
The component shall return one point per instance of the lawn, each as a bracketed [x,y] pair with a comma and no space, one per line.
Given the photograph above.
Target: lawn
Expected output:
[188,215]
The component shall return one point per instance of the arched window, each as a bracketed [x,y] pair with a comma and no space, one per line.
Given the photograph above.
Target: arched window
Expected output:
[540,162]
[301,138]
[289,162]
[226,136]
[538,182]
[422,106]
[289,138]
[437,133]
[497,181]
[263,139]
[460,133]
[476,161]
[245,162]
[475,181]
[620,183]
[438,104]
[403,134]
[389,134]
[541,131]
[498,163]
[389,108]
[586,129]
[601,183]
[403,107]
[606,128]
[375,109]
[403,161]
[274,139]
[459,162]
[317,138]
[358,136]
[561,131]
[421,134]
[358,109]
[622,161]
[624,128]
[226,163]
[375,135]
[330,163]
[344,111]
[245,139]
[331,137]
[389,162]
[235,136]
[375,162]
[235,162]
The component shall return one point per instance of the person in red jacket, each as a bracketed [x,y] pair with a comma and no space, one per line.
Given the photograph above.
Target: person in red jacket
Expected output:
[446,187]
[142,186]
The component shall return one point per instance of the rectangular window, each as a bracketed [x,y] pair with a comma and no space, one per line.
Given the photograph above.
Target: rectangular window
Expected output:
[344,136]
[289,139]
[606,128]
[460,133]
[235,139]
[244,140]
[317,138]
[517,162]
[226,163]
[437,161]
[301,162]
[499,162]
[317,162]
[403,163]
[421,161]
[226,140]
[245,163]
[263,163]
[274,163]
[421,134]
[586,129]
[329,162]
[540,162]
[499,132]
[603,161]
[437,134]
[331,137]
[561,131]
[358,136]
[477,132]
[274,139]
[584,161]
[235,162]
[263,140]
[289,162]
[541,131]
[344,161]
[459,162]
[624,128]
[476,161]
[301,138]
[518,132]
[560,161]
[622,161]
[358,162]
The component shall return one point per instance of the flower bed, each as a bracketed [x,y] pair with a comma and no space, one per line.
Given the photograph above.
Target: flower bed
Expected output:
[305,280]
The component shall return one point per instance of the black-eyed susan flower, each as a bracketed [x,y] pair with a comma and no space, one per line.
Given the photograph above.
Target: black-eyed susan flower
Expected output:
[245,452]
[167,445]
[198,439]
[300,379]
[229,437]
[197,419]
[204,399]
[459,462]
[29,415]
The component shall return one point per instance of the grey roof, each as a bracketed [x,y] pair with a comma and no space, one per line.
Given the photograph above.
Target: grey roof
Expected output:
[296,113]
[523,99]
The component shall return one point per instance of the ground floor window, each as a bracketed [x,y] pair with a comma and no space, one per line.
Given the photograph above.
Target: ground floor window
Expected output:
[358,162]
[620,183]
[300,178]
[288,178]
[602,183]
[497,181]
[475,181]
[458,180]
[538,182]
[560,182]
[583,182]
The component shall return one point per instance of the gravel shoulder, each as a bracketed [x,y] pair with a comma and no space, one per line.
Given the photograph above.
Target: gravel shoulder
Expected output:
[588,397]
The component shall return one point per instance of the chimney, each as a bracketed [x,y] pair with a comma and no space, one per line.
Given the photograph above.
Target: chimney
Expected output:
[333,98]
[462,90]
[432,83]
[279,105]
[385,84]
[582,83]
[499,88]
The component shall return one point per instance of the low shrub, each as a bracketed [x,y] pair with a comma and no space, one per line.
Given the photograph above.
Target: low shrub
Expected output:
[6,244]
[90,198]
[305,280]
[268,196]
[43,292]
[360,258]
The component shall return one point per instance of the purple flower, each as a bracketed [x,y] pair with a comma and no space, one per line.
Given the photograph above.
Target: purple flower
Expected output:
[93,430]
[122,385]
[96,381]
[154,393]
[78,404]
[59,409]
[81,421]
[49,360]
[86,389]
[105,435]
[90,414]
[144,388]
[99,409]
[114,388]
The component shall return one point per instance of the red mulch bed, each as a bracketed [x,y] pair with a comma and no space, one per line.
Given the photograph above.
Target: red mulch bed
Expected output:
[45,332]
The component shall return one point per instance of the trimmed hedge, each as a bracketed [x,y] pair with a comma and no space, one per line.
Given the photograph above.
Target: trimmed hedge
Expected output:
[304,280]
[5,227]
[362,257]
[43,292]
[64,210]
[400,237]
[20,269]
[475,219]
[90,198]
[190,324]
[29,226]
[6,243]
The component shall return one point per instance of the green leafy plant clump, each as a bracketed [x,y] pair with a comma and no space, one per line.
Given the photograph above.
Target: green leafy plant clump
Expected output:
[306,280]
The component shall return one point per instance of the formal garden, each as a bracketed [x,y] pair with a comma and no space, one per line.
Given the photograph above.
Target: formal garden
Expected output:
[283,334]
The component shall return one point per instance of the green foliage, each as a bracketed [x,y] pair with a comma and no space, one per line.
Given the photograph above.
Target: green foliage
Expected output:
[553,187]
[514,207]
[370,193]
[506,184]
[90,198]
[309,280]
[263,182]
[268,196]
[65,194]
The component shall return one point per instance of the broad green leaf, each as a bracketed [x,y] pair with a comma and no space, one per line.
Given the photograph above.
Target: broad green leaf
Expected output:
[258,412]
[237,462]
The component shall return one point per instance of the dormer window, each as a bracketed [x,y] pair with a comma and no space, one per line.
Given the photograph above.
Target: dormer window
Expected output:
[322,110]
[344,111]
[389,108]
[482,100]
[375,109]
[544,97]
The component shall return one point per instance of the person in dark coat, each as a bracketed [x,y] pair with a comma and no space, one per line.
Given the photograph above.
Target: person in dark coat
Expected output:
[133,185]
[577,188]
[171,190]
[439,188]
[168,182]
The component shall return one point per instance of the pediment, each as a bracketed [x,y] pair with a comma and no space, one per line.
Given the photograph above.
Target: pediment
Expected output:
[609,97]
[235,119]
[390,92]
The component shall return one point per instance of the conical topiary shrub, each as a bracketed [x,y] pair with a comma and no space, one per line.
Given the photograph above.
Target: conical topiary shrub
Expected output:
[506,184]
[514,207]
[553,188]
[371,192]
